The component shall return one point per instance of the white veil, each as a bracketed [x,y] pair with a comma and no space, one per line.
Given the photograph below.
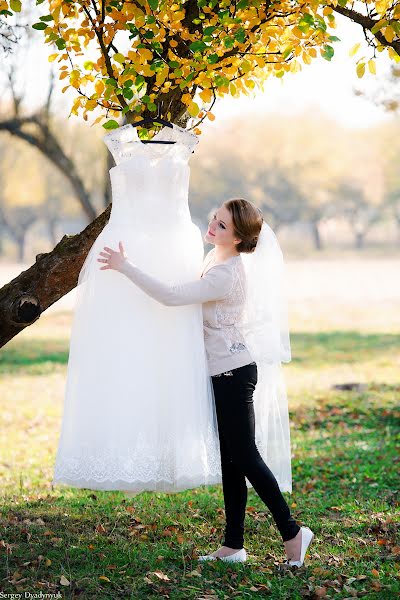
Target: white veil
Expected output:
[265,328]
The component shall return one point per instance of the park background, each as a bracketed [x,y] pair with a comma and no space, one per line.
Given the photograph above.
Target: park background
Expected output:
[318,151]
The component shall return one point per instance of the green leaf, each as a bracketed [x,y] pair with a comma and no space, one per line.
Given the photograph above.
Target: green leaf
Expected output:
[111,81]
[304,27]
[379,25]
[127,93]
[334,38]
[153,4]
[287,53]
[240,35]
[212,59]
[228,42]
[47,18]
[112,124]
[321,25]
[328,52]
[209,30]
[60,43]
[307,18]
[39,26]
[197,46]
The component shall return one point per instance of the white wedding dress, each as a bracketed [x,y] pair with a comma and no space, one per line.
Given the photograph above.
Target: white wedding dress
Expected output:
[138,407]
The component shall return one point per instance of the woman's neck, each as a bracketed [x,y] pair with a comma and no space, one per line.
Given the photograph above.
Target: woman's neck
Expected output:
[222,254]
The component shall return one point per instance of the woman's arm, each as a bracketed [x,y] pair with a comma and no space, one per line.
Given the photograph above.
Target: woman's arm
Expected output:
[215,284]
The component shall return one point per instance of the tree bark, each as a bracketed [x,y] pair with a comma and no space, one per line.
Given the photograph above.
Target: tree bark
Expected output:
[53,275]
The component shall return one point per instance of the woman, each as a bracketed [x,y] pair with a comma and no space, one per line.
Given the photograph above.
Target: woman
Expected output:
[233,229]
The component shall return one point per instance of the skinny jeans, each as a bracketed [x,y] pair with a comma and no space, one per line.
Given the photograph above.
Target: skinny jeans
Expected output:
[240,458]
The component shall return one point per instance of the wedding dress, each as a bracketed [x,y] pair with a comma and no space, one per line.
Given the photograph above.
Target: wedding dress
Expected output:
[138,406]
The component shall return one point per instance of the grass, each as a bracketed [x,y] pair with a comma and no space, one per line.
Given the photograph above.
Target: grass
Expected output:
[105,545]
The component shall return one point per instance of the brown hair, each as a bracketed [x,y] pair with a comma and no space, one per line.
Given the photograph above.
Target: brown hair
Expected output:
[247,222]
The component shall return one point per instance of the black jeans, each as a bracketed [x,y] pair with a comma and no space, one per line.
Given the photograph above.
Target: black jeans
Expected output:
[233,391]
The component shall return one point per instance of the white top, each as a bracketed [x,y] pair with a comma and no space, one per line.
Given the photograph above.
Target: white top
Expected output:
[221,290]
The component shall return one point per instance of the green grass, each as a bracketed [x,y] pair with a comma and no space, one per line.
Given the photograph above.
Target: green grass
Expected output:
[107,545]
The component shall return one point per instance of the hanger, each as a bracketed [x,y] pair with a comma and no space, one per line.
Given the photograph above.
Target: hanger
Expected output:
[156,119]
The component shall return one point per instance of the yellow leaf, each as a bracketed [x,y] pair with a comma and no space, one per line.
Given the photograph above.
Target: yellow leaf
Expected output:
[104,578]
[145,53]
[354,49]
[246,66]
[393,54]
[118,57]
[210,116]
[15,5]
[372,66]
[186,98]
[193,109]
[97,120]
[360,70]
[206,95]
[99,86]
[389,34]
[52,57]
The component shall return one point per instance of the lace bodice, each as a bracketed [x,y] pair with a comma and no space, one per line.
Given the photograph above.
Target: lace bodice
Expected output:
[224,341]
[150,182]
[124,142]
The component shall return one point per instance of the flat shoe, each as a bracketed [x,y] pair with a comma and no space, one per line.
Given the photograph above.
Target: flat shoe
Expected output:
[306,539]
[239,556]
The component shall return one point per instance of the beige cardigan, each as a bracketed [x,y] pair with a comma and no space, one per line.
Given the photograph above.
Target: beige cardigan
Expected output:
[221,291]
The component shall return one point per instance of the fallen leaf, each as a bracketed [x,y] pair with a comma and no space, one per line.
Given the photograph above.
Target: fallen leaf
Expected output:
[64,580]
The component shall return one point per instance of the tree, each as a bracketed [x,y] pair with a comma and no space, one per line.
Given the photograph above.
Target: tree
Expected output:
[178,57]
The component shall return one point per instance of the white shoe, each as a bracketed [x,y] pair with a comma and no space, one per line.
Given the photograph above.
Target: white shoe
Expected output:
[306,539]
[239,556]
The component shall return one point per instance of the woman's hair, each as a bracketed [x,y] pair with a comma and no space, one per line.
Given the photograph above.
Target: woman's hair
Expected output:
[247,222]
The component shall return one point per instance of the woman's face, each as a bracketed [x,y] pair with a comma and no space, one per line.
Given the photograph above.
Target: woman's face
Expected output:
[220,229]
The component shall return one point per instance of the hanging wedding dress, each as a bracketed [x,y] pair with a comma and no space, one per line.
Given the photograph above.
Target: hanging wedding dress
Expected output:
[138,407]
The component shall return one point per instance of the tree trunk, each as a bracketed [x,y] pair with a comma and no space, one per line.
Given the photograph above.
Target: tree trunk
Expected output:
[20,239]
[360,239]
[316,235]
[53,275]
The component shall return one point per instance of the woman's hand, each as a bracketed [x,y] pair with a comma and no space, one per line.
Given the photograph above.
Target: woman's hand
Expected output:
[113,259]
